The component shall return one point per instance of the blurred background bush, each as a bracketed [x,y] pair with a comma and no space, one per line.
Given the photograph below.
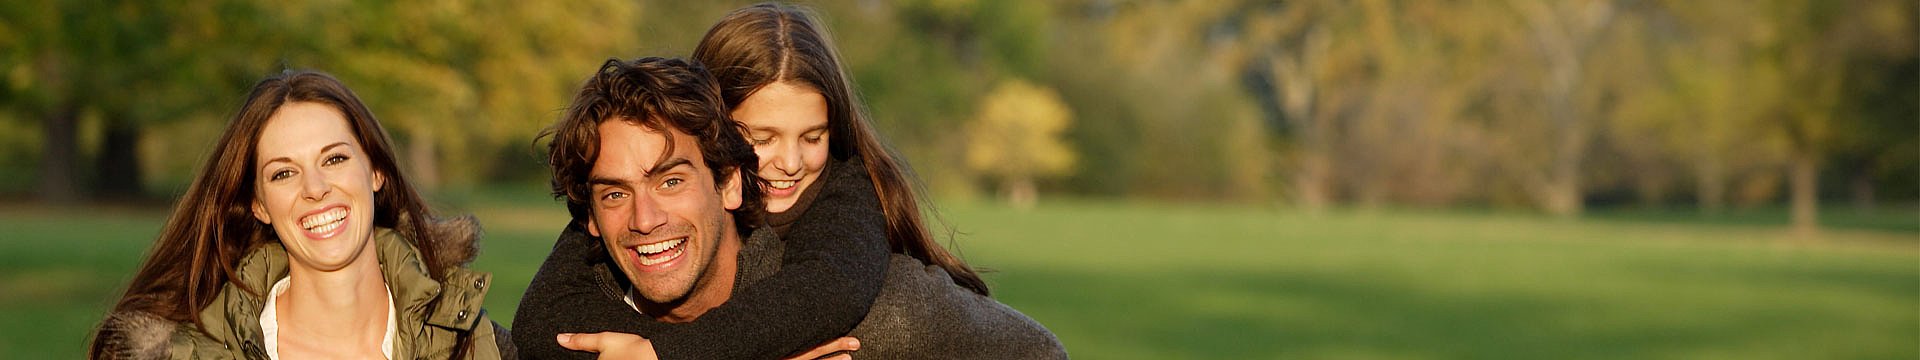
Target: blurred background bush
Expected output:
[1554,106]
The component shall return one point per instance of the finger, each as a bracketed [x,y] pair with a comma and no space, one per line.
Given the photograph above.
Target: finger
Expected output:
[844,344]
[581,342]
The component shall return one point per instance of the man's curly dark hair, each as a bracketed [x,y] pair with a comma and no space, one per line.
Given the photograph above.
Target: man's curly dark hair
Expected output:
[656,93]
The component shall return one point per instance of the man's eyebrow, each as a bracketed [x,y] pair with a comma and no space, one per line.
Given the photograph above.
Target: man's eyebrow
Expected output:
[662,167]
[597,180]
[669,164]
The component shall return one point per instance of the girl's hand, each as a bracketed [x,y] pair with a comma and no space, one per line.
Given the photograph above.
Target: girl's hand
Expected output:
[610,345]
[840,349]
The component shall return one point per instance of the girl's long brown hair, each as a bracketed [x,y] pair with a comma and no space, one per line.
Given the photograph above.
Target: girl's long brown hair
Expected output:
[211,227]
[767,43]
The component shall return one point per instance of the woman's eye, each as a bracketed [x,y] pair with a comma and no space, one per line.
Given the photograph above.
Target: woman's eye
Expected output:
[336,159]
[758,142]
[282,174]
[814,139]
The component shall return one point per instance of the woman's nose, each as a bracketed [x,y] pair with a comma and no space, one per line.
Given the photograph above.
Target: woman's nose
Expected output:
[313,184]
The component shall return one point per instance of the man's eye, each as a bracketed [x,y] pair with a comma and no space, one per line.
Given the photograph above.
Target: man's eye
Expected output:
[671,183]
[615,195]
[282,174]
[336,159]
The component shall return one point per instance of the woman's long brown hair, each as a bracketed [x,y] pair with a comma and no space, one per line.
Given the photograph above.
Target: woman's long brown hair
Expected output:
[767,43]
[211,227]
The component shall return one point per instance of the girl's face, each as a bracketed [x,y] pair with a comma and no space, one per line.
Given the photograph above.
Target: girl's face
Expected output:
[315,186]
[787,125]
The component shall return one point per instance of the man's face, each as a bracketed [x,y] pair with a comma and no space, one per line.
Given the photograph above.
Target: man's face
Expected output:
[661,218]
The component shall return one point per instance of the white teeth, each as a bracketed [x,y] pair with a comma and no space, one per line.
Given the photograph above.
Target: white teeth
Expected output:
[324,222]
[645,261]
[658,247]
[325,228]
[782,184]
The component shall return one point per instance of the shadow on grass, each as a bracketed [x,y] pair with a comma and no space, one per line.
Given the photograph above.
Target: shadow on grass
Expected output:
[1903,219]
[1201,314]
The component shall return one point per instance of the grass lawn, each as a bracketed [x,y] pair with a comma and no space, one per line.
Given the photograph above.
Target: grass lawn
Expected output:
[1128,281]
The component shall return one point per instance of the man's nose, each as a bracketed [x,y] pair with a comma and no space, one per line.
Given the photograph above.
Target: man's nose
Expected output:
[647,215]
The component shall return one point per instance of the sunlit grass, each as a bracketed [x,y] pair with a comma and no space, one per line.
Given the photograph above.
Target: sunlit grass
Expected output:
[1120,281]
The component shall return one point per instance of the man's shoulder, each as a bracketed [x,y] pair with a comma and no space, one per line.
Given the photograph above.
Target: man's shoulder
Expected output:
[574,268]
[567,294]
[922,311]
[760,255]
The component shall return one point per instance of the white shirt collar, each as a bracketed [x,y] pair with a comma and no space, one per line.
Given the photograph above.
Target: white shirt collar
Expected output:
[270,322]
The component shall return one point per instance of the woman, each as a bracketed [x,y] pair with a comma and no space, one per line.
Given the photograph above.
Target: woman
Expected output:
[300,238]
[819,155]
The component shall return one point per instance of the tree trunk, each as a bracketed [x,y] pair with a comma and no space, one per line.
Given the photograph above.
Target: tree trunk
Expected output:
[1804,183]
[1563,193]
[58,175]
[1021,192]
[425,174]
[1710,186]
[118,167]
[1311,182]
[1862,186]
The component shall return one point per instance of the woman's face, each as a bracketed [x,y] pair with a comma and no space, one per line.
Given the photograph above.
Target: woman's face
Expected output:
[315,186]
[787,125]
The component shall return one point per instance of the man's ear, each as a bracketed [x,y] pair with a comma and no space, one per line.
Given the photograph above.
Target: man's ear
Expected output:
[260,212]
[592,228]
[730,191]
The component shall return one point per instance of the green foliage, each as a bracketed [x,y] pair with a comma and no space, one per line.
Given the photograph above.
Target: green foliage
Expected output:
[1017,133]
[1016,137]
[1507,103]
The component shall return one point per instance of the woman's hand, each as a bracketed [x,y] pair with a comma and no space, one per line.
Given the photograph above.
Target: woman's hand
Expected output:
[841,349]
[611,345]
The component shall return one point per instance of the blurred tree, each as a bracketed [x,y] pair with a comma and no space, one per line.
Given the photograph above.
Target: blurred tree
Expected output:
[1567,36]
[1813,45]
[1543,104]
[127,64]
[1016,139]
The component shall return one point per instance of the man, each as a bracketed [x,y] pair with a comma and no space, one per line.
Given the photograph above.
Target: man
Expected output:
[650,166]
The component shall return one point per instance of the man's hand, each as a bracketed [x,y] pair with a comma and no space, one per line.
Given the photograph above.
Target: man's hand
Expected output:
[611,345]
[840,349]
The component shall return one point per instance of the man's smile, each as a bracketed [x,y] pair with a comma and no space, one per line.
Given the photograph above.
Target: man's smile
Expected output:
[658,253]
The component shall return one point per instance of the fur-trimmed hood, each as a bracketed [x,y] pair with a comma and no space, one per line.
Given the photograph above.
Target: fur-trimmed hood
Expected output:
[135,335]
[451,305]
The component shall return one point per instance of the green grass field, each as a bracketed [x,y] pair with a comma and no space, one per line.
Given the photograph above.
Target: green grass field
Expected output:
[1129,281]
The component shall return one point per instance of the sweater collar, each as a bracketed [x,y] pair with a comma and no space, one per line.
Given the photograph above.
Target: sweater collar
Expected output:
[413,291]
